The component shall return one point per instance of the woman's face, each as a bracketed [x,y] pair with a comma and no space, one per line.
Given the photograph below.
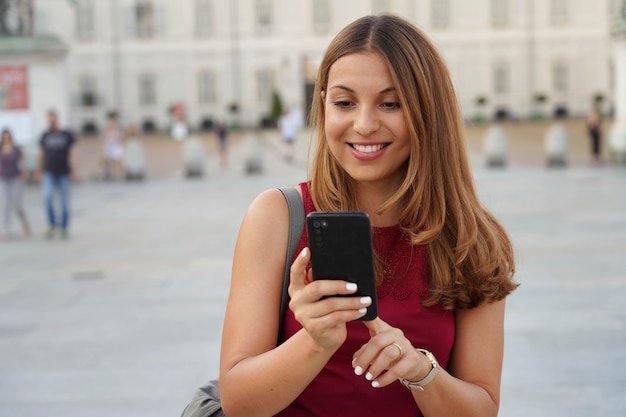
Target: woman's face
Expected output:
[365,125]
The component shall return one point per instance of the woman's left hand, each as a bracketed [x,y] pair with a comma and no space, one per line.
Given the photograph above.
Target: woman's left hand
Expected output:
[388,356]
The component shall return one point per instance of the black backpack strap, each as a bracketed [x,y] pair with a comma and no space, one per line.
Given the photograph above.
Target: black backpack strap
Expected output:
[296,227]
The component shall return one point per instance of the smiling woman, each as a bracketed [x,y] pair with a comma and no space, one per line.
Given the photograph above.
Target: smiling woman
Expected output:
[365,127]
[389,144]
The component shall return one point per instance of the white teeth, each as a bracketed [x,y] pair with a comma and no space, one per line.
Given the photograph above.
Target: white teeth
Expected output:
[368,148]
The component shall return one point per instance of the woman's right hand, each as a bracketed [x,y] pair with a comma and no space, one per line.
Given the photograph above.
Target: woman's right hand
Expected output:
[323,316]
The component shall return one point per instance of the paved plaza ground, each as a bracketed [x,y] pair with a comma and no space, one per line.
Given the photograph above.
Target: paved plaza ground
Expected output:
[124,318]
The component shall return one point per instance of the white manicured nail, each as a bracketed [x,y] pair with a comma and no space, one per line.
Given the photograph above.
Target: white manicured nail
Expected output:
[358,370]
[366,300]
[351,286]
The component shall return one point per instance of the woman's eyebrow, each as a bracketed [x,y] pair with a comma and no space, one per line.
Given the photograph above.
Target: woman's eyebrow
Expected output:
[343,87]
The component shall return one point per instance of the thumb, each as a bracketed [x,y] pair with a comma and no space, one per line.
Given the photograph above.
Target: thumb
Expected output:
[298,270]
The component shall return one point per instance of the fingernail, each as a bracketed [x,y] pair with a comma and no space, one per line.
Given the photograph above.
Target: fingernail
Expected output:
[366,300]
[358,370]
[363,310]
[375,384]
[369,376]
[304,252]
[351,286]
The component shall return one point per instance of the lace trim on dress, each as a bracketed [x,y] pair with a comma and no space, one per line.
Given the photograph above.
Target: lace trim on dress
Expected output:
[405,266]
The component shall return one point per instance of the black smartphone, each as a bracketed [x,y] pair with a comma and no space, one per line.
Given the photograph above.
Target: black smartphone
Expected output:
[341,248]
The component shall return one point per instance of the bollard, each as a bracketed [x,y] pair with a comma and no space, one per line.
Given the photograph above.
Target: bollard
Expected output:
[495,146]
[193,157]
[253,155]
[134,160]
[617,143]
[556,141]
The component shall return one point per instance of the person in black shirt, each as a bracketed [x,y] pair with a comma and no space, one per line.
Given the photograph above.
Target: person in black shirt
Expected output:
[56,169]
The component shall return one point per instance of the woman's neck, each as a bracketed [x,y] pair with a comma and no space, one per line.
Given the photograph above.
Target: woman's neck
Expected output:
[371,197]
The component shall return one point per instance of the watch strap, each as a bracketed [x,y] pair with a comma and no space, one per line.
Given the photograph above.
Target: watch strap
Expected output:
[419,385]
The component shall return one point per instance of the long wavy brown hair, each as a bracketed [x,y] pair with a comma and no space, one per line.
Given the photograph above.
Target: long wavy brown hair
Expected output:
[471,256]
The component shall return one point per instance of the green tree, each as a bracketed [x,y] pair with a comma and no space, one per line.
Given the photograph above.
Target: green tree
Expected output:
[277,107]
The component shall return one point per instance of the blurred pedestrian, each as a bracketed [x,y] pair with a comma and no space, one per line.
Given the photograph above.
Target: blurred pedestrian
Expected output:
[11,156]
[594,128]
[56,169]
[179,129]
[289,124]
[222,139]
[112,149]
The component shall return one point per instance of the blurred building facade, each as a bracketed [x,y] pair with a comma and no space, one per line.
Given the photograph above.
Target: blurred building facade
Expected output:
[224,60]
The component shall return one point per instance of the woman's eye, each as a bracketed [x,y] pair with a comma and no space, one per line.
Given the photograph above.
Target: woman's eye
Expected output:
[391,105]
[342,103]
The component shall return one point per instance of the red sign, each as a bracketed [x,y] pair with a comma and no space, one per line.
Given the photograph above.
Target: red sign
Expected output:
[14,88]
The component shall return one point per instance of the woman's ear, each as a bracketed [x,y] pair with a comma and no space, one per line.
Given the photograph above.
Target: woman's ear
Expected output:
[323,96]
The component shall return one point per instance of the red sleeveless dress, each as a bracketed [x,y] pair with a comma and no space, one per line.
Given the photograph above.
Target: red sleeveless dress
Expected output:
[337,391]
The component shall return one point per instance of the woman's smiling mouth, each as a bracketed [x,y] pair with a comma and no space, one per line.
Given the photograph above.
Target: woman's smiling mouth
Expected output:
[368,148]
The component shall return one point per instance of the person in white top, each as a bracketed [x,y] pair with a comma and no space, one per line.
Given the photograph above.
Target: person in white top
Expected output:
[289,124]
[113,150]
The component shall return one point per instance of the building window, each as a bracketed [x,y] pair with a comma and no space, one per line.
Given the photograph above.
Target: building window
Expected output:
[147,90]
[206,87]
[87,91]
[380,6]
[558,11]
[84,19]
[321,16]
[440,13]
[265,85]
[501,79]
[204,17]
[144,19]
[263,12]
[499,12]
[560,75]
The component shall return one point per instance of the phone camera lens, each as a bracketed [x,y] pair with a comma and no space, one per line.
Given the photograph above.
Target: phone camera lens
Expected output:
[317,224]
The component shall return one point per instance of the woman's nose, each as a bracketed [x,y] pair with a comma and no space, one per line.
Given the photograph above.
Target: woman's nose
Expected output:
[366,121]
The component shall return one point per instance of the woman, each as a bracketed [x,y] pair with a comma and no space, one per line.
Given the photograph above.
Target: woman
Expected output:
[10,174]
[112,149]
[390,143]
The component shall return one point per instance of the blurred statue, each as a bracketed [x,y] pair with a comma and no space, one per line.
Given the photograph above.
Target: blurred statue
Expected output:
[16,18]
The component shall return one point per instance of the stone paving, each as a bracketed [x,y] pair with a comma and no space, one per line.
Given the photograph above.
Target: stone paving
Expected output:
[124,318]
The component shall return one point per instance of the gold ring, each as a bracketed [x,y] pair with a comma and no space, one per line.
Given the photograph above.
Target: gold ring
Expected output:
[399,348]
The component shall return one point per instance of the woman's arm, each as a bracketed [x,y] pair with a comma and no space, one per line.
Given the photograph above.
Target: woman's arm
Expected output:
[471,385]
[256,377]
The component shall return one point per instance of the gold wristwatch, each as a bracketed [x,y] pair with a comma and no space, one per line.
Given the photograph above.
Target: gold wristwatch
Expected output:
[419,385]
